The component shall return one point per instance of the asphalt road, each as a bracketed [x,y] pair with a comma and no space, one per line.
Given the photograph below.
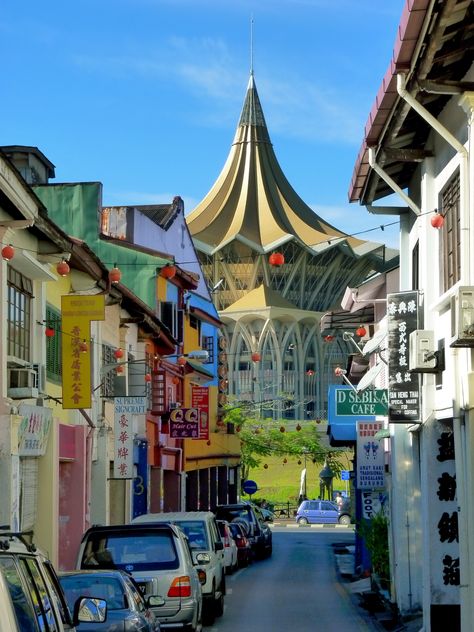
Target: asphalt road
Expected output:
[297,589]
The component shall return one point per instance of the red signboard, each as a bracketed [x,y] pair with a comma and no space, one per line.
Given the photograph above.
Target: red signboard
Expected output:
[200,400]
[184,423]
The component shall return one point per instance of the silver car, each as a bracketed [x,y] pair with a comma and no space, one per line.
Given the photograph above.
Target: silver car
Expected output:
[159,559]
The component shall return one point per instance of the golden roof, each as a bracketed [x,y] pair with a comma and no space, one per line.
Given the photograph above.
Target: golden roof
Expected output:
[261,297]
[253,202]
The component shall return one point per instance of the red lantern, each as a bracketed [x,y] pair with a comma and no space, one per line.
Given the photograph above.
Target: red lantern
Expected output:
[282,429]
[361,331]
[63,268]
[310,372]
[8,252]
[182,360]
[119,369]
[285,461]
[49,332]
[298,427]
[168,272]
[299,462]
[338,371]
[83,347]
[318,421]
[147,377]
[115,275]
[328,338]
[208,442]
[276,259]
[118,353]
[437,221]
[238,429]
[256,357]
[175,380]
[265,466]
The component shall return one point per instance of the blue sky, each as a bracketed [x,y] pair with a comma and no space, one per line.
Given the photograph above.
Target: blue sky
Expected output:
[145,95]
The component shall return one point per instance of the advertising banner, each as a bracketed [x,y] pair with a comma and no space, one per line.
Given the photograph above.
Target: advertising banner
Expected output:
[125,410]
[77,312]
[200,400]
[370,456]
[184,423]
[33,431]
[367,402]
[403,386]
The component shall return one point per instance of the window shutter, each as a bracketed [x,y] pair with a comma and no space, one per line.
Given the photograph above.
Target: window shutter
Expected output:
[158,393]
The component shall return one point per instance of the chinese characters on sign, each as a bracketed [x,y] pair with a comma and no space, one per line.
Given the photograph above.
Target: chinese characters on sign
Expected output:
[125,409]
[77,313]
[370,456]
[403,386]
[33,431]
[447,526]
[200,400]
[184,423]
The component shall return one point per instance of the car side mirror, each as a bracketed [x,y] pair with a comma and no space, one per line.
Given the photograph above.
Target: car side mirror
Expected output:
[219,546]
[203,558]
[90,609]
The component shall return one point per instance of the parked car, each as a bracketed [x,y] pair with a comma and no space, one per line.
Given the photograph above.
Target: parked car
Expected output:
[260,535]
[126,607]
[31,597]
[345,512]
[319,512]
[208,553]
[230,547]
[244,550]
[160,561]
[267,514]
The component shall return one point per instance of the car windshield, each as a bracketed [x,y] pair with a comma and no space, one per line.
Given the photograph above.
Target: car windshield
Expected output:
[196,532]
[108,588]
[234,513]
[130,550]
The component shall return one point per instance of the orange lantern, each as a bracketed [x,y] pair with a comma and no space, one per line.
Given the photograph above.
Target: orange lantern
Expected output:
[63,268]
[361,331]
[147,377]
[175,379]
[437,221]
[83,347]
[256,357]
[276,259]
[168,272]
[118,353]
[8,252]
[115,275]
[181,360]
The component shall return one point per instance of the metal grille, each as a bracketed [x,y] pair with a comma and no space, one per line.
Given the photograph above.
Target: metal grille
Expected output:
[451,234]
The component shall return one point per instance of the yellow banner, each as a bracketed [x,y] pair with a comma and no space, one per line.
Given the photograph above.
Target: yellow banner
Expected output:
[77,312]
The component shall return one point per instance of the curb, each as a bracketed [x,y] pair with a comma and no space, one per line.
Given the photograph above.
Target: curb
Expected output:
[313,526]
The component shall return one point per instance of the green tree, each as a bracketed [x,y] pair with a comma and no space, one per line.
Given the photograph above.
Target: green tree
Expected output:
[264,437]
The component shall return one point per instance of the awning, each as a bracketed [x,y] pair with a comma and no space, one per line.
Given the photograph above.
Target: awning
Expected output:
[197,372]
[342,434]
[382,434]
[340,319]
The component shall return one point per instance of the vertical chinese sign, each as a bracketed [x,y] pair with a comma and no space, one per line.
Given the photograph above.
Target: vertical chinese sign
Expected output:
[125,409]
[403,386]
[200,400]
[370,456]
[77,313]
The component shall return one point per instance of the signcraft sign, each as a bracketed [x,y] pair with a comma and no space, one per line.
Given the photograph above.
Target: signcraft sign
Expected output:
[184,423]
[368,402]
[370,456]
[404,387]
[124,410]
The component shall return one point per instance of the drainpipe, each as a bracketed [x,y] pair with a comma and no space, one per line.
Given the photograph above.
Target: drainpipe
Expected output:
[391,183]
[464,170]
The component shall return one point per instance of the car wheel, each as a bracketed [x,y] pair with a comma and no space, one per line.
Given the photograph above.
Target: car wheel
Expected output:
[344,519]
[219,603]
[302,520]
[209,610]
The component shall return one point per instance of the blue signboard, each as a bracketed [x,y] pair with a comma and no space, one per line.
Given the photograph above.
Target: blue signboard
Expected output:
[250,487]
[345,475]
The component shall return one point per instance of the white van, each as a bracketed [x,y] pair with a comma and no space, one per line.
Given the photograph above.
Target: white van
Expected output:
[208,553]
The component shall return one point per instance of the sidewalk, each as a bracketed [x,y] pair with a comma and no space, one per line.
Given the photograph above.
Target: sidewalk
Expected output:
[375,602]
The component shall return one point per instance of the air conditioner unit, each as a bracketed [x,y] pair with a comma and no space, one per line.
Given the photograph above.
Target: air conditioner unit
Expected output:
[22,383]
[462,318]
[40,377]
[423,357]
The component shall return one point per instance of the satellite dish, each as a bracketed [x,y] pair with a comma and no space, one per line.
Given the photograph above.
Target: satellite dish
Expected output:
[375,342]
[369,377]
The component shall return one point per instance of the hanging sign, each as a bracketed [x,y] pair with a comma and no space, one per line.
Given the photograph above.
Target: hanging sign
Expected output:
[403,386]
[200,400]
[125,408]
[184,423]
[370,456]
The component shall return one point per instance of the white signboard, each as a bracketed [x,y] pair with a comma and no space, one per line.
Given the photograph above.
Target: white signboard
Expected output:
[33,431]
[372,503]
[370,456]
[125,410]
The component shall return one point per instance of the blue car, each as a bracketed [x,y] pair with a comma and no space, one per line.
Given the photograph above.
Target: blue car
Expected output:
[320,512]
[126,607]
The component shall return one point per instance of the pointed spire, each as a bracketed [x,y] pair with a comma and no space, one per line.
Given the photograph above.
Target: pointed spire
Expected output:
[252,113]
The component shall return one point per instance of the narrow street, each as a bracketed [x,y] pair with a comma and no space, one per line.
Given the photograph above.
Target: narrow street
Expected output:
[297,589]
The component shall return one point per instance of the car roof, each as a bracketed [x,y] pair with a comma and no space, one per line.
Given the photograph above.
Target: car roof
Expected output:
[120,528]
[171,516]
[94,572]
